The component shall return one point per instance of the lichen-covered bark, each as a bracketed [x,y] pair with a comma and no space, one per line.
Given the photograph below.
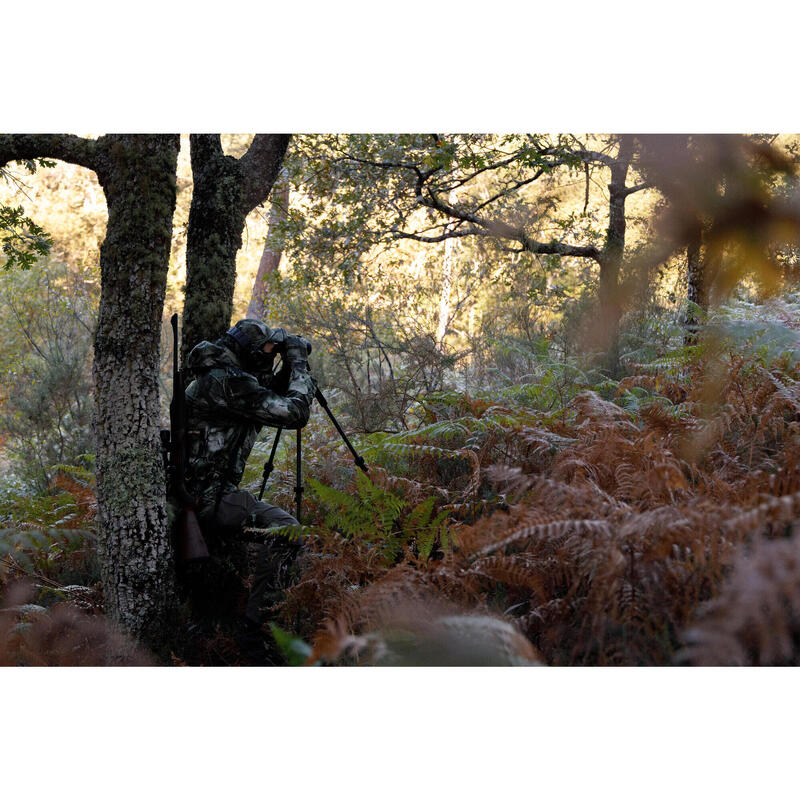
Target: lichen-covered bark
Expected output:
[214,237]
[137,173]
[225,191]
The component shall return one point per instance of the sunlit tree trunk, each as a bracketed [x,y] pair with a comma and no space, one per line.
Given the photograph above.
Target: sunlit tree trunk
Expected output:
[696,286]
[447,282]
[610,259]
[273,250]
[444,297]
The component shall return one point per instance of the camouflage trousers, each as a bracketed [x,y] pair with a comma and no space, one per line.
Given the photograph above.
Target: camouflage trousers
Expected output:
[276,556]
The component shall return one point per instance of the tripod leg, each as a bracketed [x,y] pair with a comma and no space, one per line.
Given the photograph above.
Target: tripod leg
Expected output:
[356,457]
[298,489]
[268,465]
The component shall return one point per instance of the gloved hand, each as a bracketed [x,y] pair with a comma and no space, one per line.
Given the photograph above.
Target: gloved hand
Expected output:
[296,352]
[278,338]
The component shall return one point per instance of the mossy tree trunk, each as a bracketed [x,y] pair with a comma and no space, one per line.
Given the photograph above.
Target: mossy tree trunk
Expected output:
[225,191]
[138,178]
[138,175]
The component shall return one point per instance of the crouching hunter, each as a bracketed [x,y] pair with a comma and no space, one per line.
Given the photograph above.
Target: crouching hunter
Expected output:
[234,393]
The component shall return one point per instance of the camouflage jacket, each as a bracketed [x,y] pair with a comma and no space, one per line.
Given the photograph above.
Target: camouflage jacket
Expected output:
[225,409]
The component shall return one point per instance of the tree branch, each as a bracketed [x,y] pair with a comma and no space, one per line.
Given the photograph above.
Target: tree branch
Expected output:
[585,156]
[453,234]
[504,230]
[61,146]
[383,164]
[637,188]
[260,166]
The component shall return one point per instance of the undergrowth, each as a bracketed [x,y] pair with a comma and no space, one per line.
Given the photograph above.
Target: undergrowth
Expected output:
[622,527]
[52,602]
[648,520]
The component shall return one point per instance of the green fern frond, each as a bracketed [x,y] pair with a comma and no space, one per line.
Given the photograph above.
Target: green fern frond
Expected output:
[369,514]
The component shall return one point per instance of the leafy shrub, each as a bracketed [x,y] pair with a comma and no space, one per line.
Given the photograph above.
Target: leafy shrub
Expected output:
[48,315]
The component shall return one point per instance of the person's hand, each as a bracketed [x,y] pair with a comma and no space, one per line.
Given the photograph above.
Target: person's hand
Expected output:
[278,338]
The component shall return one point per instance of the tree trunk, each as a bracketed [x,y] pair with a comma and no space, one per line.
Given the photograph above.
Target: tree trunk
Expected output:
[214,237]
[447,282]
[447,286]
[225,191]
[273,250]
[696,285]
[138,177]
[610,260]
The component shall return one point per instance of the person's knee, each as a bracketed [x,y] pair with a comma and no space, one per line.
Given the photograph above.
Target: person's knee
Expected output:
[272,517]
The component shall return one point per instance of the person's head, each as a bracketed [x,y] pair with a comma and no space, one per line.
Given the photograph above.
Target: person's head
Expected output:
[253,342]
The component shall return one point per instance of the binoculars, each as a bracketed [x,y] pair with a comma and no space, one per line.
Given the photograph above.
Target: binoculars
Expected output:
[279,337]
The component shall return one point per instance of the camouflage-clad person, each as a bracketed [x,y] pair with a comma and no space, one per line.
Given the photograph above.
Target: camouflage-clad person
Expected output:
[234,393]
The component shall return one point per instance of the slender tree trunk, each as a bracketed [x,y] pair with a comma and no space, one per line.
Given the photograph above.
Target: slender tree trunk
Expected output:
[447,286]
[273,250]
[696,286]
[225,191]
[447,282]
[138,178]
[610,260]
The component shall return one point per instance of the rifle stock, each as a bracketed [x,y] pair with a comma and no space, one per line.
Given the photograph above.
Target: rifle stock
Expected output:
[191,545]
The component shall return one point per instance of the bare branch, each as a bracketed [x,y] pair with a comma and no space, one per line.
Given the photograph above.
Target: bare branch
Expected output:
[497,165]
[510,189]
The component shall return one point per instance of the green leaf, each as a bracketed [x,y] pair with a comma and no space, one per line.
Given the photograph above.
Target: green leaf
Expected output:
[293,648]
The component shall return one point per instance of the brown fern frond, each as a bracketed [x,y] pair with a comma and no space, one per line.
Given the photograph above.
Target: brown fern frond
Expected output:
[755,619]
[60,636]
[413,491]
[515,572]
[773,513]
[547,531]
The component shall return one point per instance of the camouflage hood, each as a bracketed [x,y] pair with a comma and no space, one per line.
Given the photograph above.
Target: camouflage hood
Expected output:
[207,355]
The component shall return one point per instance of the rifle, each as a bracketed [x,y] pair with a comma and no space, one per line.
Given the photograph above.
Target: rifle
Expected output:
[190,544]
